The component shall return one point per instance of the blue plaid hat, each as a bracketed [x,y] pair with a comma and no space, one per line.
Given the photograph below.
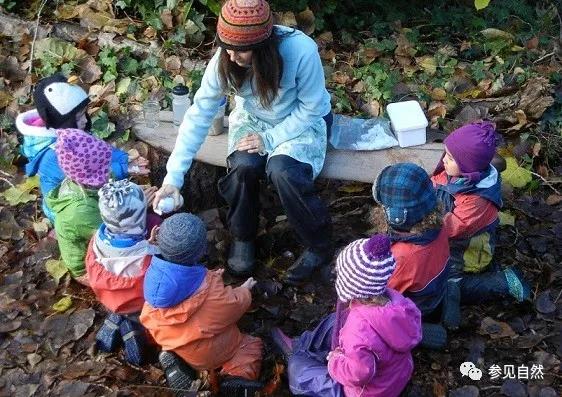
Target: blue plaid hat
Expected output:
[406,194]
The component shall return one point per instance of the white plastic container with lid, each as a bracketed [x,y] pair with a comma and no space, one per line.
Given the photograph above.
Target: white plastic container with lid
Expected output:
[408,122]
[180,102]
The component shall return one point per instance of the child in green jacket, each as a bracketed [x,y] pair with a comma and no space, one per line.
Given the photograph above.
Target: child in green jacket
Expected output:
[85,161]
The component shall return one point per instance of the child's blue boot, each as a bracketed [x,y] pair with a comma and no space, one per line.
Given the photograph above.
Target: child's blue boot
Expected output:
[108,336]
[434,336]
[134,341]
[517,285]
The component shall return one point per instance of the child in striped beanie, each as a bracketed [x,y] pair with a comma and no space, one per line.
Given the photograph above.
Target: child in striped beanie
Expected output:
[364,349]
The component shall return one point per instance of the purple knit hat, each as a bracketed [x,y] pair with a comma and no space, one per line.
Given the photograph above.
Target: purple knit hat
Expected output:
[473,146]
[363,268]
[83,158]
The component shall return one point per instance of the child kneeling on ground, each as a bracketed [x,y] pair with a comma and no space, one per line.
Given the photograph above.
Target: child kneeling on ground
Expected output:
[85,161]
[469,187]
[364,349]
[117,259]
[191,313]
[419,244]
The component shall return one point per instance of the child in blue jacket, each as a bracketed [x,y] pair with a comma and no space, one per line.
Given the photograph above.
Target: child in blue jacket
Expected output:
[60,105]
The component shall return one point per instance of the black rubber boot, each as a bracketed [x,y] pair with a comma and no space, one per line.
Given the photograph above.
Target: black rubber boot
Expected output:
[241,259]
[452,306]
[305,265]
[178,374]
[234,386]
[434,336]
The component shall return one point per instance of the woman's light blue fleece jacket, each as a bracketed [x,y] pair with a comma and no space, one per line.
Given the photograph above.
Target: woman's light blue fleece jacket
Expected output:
[301,102]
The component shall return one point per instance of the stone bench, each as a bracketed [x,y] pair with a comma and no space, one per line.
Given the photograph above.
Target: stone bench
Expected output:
[348,165]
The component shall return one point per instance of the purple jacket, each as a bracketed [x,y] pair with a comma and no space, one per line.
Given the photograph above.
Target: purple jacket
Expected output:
[375,343]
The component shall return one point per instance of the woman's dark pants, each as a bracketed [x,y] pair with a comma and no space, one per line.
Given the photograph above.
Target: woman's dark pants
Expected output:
[293,182]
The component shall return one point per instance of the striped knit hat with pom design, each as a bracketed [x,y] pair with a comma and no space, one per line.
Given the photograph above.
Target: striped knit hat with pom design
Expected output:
[244,24]
[363,268]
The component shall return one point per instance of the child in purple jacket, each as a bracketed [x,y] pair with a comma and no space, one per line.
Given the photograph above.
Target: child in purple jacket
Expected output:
[364,349]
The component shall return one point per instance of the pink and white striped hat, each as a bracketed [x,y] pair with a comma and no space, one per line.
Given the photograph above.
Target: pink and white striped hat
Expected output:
[363,268]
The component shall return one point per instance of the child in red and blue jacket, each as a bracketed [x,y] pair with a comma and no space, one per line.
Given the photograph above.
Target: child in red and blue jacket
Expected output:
[420,244]
[469,187]
[60,105]
[117,259]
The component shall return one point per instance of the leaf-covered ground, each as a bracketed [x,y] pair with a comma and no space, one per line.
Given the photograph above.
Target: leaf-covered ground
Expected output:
[47,326]
[502,63]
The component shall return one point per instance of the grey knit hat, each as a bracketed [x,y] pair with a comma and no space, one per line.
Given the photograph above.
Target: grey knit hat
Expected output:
[182,239]
[123,207]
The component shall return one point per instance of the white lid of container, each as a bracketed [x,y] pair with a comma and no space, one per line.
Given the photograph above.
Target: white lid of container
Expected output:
[407,115]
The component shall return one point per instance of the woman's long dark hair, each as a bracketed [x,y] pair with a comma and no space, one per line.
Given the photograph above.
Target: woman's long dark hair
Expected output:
[266,70]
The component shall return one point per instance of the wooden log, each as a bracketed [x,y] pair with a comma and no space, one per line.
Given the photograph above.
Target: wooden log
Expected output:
[349,165]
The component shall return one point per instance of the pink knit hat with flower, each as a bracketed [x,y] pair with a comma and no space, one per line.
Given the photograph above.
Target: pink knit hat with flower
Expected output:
[363,268]
[83,158]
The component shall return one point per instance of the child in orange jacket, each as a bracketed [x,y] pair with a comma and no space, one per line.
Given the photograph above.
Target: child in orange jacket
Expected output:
[117,259]
[191,313]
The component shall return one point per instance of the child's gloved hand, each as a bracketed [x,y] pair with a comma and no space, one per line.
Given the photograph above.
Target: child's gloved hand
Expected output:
[249,283]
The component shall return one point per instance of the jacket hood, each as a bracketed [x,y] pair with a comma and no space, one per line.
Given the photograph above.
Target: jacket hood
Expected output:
[67,193]
[125,261]
[398,323]
[168,284]
[31,124]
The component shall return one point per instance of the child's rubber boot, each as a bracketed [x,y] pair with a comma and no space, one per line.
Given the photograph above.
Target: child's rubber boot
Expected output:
[108,336]
[282,342]
[517,285]
[234,386]
[434,336]
[452,306]
[134,341]
[179,375]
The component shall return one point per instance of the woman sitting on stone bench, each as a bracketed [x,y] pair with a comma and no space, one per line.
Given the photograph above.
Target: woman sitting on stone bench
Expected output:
[278,132]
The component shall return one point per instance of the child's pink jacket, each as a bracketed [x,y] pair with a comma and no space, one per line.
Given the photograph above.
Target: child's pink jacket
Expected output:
[376,344]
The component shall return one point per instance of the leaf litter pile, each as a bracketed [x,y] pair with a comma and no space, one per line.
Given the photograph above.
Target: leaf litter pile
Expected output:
[503,67]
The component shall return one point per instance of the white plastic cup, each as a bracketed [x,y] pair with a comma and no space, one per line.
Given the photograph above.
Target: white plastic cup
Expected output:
[151,112]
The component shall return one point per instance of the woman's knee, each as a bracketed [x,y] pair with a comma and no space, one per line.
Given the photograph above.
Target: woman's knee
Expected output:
[282,170]
[245,163]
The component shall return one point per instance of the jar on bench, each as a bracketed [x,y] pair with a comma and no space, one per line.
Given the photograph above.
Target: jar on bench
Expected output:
[217,127]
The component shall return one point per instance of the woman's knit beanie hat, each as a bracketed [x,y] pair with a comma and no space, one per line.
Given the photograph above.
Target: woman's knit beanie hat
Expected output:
[58,101]
[244,24]
[406,193]
[123,207]
[472,146]
[363,268]
[182,239]
[83,158]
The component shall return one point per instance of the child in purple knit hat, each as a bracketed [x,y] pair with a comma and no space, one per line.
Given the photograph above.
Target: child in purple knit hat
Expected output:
[364,349]
[469,187]
[85,161]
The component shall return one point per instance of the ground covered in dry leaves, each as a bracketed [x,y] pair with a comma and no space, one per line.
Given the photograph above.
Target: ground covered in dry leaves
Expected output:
[47,325]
